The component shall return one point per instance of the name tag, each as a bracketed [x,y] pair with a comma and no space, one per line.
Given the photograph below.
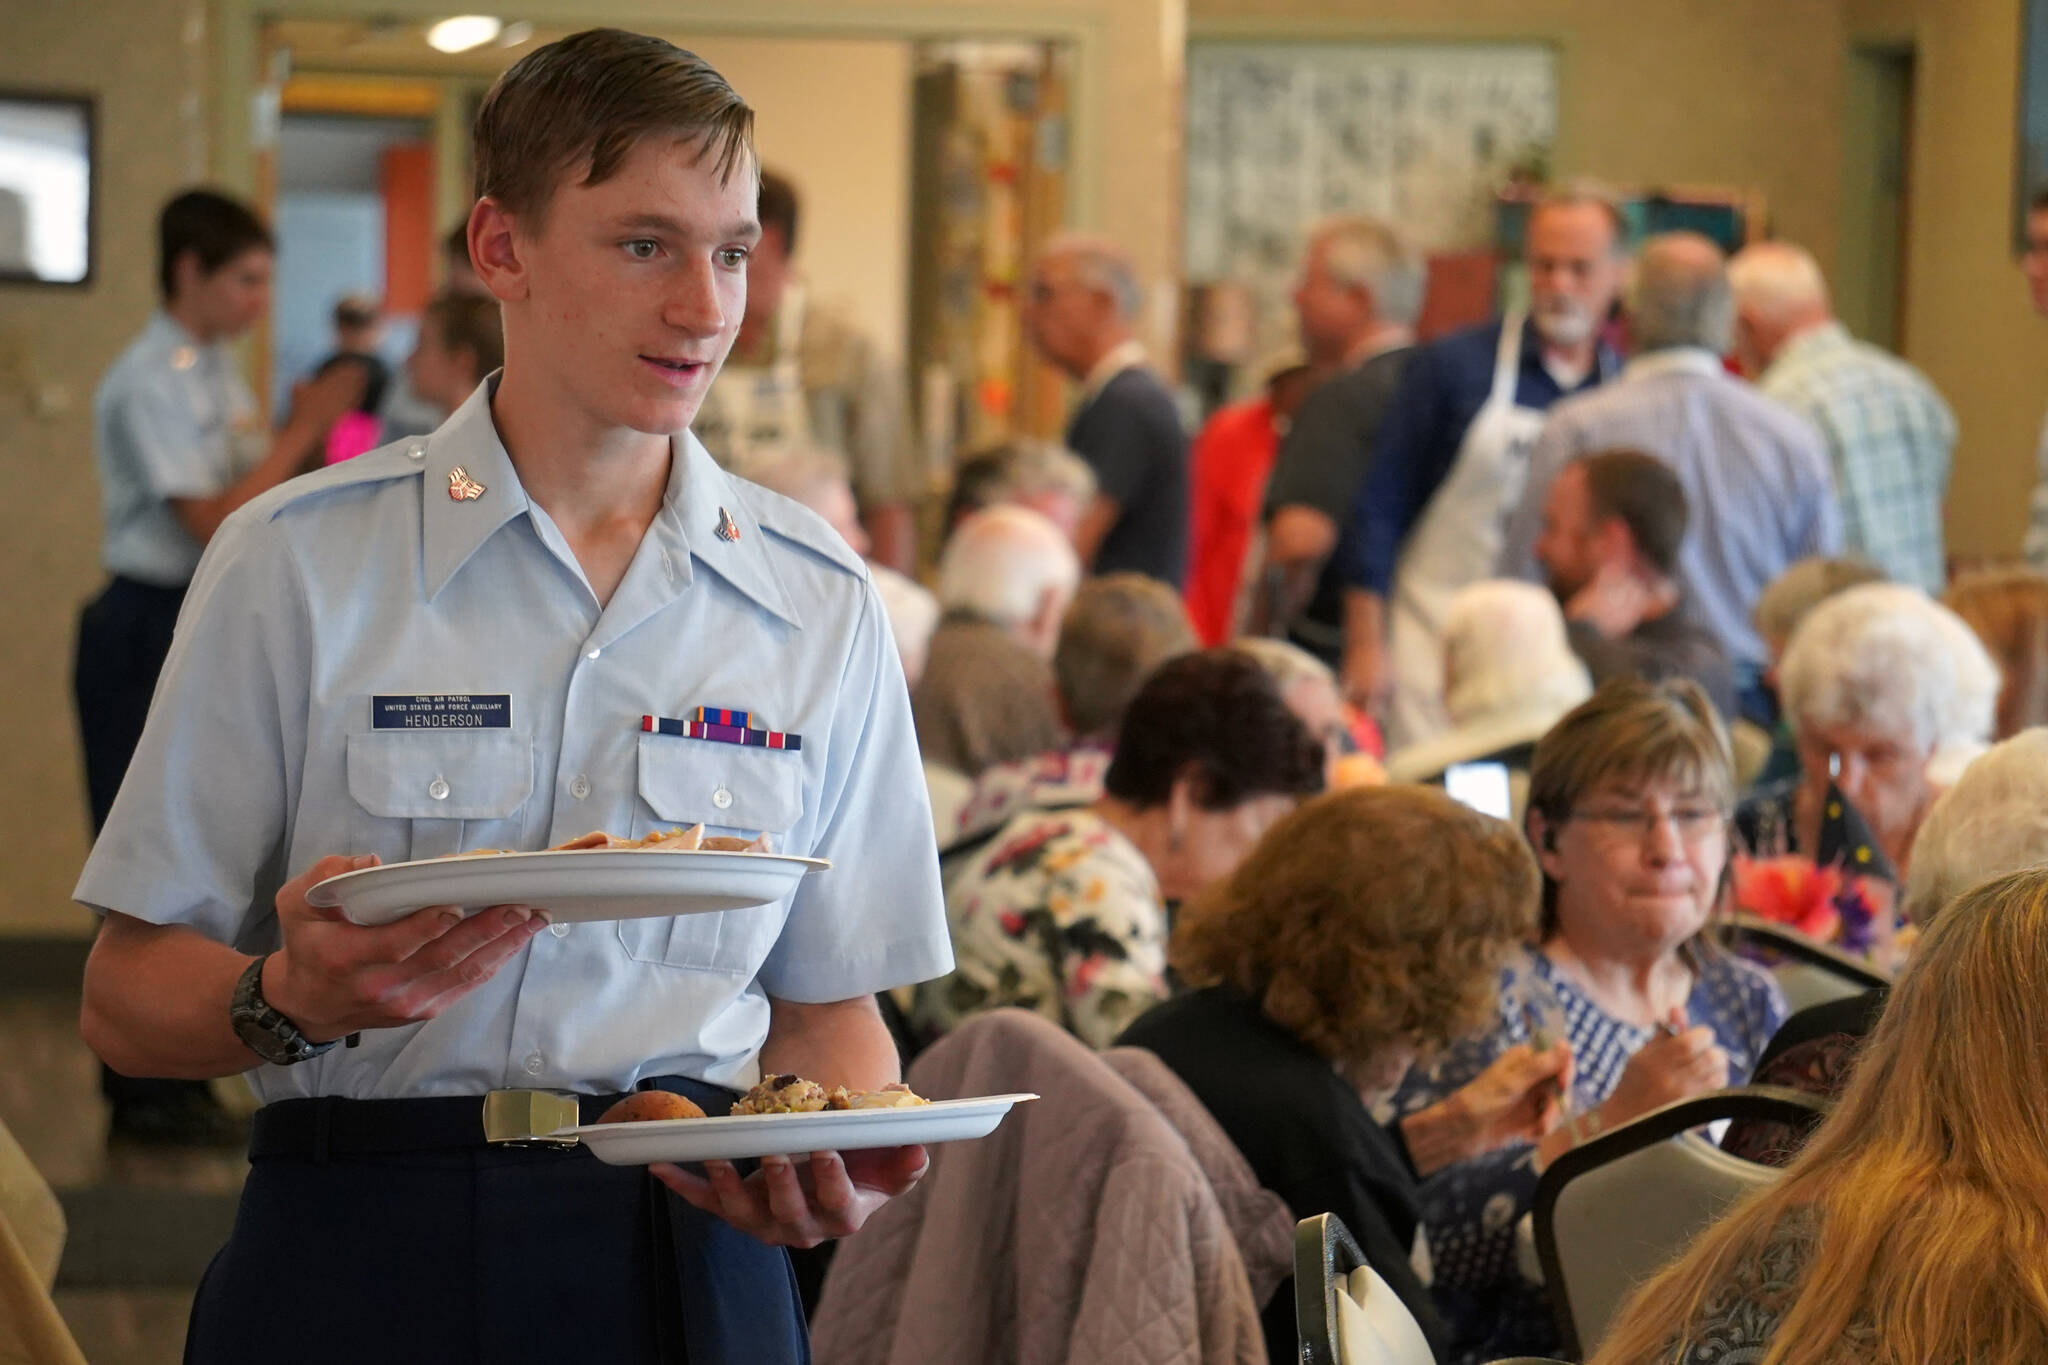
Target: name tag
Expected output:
[443,711]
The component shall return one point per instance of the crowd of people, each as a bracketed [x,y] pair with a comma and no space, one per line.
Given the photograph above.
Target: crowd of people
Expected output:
[1381,760]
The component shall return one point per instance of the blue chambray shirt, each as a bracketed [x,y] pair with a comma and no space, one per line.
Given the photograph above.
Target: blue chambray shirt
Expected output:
[367,579]
[171,419]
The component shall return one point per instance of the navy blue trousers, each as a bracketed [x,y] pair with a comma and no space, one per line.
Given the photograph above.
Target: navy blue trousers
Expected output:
[488,1256]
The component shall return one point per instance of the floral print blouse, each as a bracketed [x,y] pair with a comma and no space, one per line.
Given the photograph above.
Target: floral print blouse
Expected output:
[1059,914]
[1471,1209]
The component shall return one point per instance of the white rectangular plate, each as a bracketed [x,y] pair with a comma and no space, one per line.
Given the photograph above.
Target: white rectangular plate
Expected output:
[737,1138]
[572,885]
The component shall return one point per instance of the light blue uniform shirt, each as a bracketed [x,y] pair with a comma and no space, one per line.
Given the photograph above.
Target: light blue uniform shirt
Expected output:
[366,580]
[1758,489]
[172,419]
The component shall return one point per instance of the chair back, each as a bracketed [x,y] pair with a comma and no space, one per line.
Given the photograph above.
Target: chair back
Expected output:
[1344,1312]
[1808,972]
[1612,1211]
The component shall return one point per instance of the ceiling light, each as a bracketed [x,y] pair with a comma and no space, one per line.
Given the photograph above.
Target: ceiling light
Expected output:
[515,34]
[463,32]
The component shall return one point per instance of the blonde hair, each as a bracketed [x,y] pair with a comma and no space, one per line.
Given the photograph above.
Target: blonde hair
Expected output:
[1927,1188]
[2008,608]
[1804,586]
[1368,917]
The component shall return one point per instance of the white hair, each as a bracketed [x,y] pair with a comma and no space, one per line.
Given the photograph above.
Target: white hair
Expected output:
[1000,563]
[1102,265]
[1505,649]
[1888,657]
[1033,468]
[1778,281]
[1285,663]
[1679,295]
[1993,821]
[1367,253]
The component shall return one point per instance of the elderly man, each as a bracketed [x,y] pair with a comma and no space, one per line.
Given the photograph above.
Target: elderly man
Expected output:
[1356,301]
[1080,312]
[986,696]
[1888,434]
[1612,528]
[1450,457]
[1755,474]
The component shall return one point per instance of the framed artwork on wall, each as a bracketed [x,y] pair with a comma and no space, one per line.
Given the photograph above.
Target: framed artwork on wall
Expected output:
[46,188]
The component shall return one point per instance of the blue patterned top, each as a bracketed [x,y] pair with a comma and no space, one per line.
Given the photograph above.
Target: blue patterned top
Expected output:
[1470,1210]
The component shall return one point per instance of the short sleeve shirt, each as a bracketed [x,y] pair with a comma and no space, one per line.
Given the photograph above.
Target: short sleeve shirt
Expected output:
[1130,434]
[171,419]
[328,607]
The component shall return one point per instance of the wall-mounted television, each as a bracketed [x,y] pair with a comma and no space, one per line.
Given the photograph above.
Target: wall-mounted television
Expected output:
[46,188]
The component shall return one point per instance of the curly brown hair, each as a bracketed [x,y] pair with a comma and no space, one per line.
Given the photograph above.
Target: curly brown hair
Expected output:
[1368,917]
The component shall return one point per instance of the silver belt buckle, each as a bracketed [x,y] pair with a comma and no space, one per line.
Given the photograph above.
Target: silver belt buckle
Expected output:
[530,1118]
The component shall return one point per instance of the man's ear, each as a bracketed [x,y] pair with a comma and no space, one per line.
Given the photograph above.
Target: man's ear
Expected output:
[187,273]
[495,250]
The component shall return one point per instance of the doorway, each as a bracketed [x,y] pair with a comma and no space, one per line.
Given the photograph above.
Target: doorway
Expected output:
[1870,283]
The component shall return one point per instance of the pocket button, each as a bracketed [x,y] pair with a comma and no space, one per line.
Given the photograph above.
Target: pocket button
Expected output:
[722,799]
[438,788]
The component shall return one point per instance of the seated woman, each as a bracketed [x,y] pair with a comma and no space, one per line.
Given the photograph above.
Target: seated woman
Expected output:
[1877,683]
[1993,821]
[1065,912]
[1509,673]
[1914,1226]
[1628,810]
[1367,928]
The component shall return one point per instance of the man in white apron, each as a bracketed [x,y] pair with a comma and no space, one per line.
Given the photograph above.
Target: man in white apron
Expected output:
[1452,457]
[803,377]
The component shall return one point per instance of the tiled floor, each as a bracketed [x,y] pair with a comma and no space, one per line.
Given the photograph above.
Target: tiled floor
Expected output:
[49,1097]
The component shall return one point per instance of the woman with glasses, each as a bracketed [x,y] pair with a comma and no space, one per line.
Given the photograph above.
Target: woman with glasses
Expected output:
[1629,797]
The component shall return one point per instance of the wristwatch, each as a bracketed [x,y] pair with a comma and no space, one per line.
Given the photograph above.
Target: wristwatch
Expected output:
[269,1034]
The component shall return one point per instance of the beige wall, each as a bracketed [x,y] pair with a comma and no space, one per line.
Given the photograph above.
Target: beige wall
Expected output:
[1968,322]
[854,173]
[1738,93]
[49,547]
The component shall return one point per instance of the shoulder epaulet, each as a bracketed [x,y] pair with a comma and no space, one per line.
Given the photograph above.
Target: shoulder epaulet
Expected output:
[381,465]
[789,520]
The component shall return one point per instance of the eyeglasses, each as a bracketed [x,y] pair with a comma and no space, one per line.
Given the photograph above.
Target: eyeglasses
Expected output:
[1692,822]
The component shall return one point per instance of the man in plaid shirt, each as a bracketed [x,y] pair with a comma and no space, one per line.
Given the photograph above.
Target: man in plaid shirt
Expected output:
[1889,434]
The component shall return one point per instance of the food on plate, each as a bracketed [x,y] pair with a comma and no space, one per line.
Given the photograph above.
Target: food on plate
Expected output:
[895,1095]
[783,1094]
[689,840]
[644,1105]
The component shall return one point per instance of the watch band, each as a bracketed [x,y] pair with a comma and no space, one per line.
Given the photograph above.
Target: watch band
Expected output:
[267,1032]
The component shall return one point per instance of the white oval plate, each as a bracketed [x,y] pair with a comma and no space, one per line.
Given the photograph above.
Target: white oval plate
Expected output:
[736,1138]
[571,885]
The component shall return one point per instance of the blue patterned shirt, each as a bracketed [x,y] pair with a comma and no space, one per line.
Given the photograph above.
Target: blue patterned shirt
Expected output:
[1889,437]
[1470,1210]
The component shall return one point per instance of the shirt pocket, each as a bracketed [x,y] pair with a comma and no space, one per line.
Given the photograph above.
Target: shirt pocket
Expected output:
[426,794]
[729,789]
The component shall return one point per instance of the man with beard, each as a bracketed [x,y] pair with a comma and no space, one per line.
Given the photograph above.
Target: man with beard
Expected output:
[1755,473]
[1451,457]
[1612,527]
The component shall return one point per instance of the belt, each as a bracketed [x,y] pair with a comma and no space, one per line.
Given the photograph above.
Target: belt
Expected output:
[328,1126]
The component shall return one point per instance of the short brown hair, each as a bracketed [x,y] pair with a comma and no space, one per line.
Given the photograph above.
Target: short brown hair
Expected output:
[2008,608]
[1118,629]
[1640,491]
[1628,731]
[586,101]
[469,322]
[1370,916]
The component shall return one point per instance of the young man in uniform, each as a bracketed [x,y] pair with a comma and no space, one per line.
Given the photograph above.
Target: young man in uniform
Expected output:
[178,445]
[558,560]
